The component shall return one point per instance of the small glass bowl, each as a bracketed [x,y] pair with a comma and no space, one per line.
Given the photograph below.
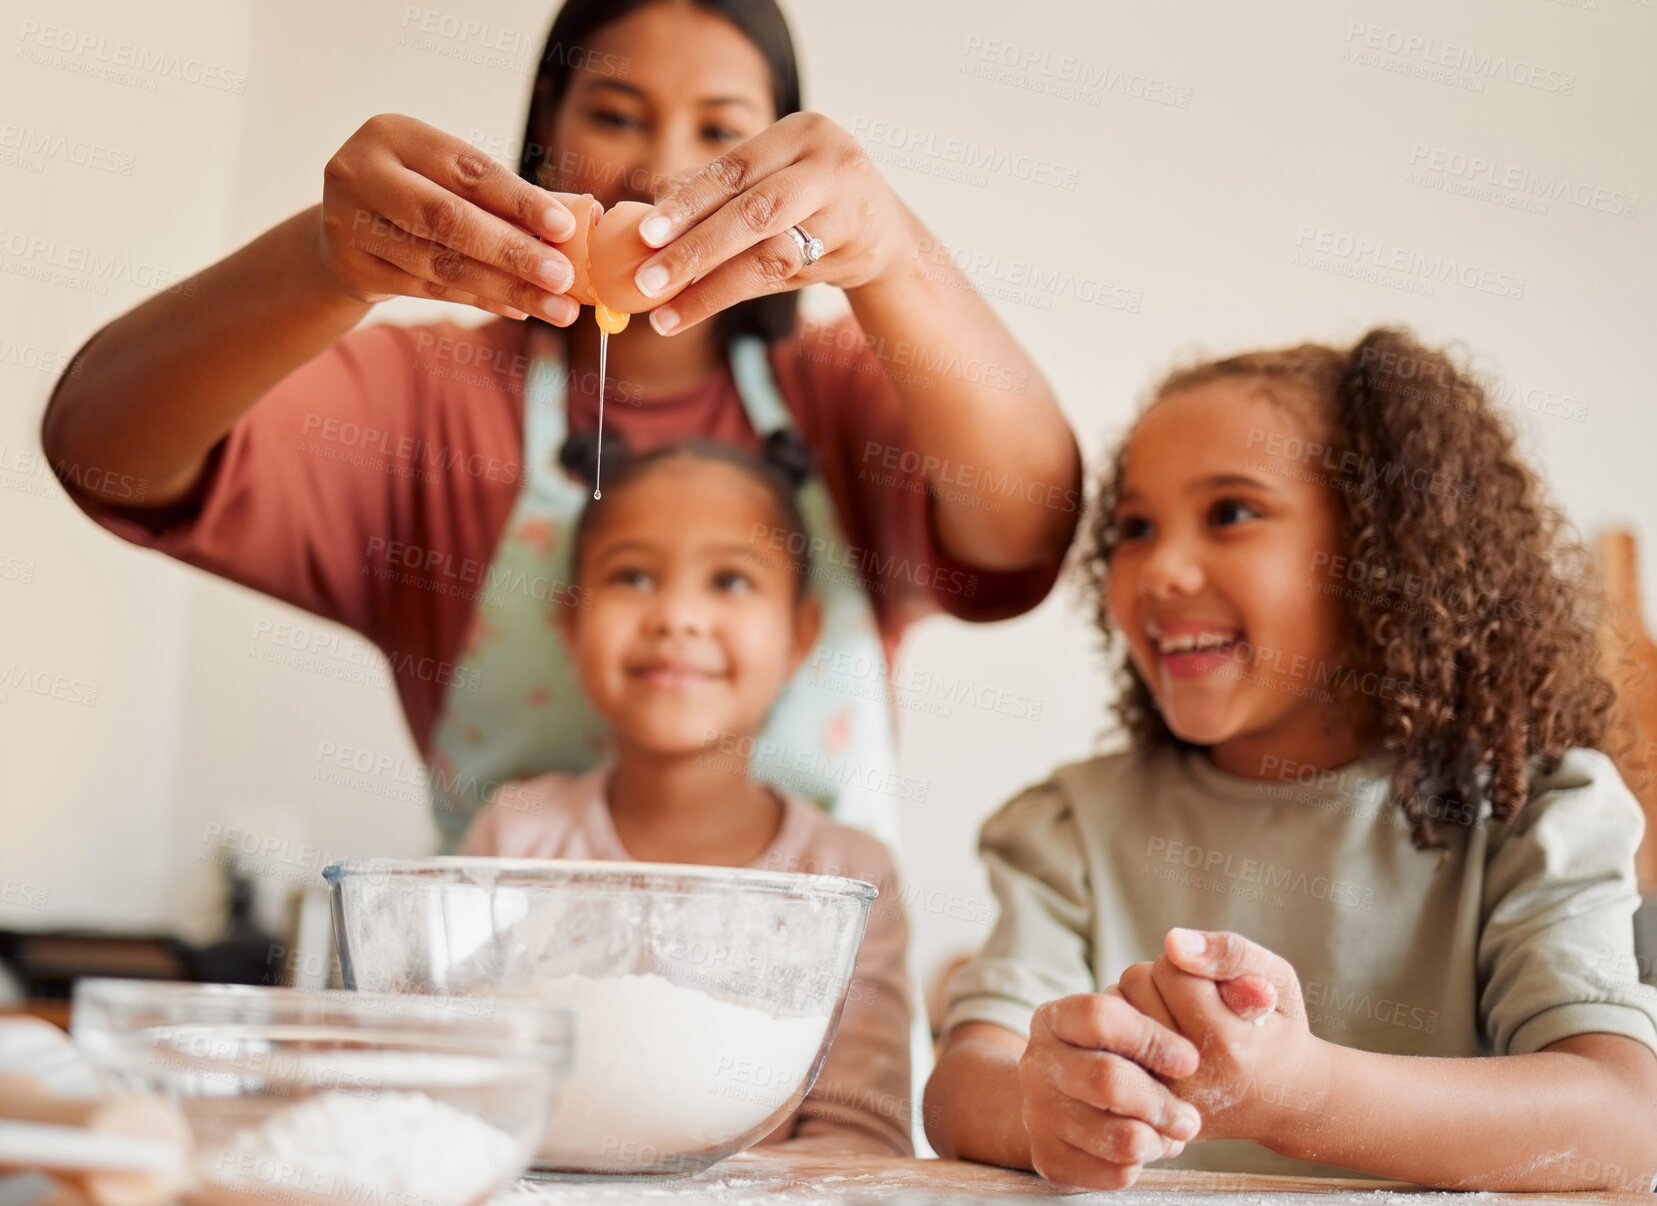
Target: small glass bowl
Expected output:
[308,1098]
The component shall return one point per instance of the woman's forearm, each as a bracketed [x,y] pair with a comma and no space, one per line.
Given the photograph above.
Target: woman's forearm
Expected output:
[991,433]
[151,393]
[1572,1117]
[973,1106]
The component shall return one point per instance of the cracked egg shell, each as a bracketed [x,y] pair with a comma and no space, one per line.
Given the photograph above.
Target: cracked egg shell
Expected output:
[585,209]
[615,252]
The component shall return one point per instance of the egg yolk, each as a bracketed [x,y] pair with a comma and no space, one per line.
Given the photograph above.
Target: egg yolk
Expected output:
[611,322]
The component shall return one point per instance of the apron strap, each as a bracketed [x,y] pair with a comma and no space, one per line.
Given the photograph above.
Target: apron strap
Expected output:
[756,385]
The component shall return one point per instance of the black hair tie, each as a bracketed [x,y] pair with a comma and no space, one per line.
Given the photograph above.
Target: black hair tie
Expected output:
[579,455]
[787,451]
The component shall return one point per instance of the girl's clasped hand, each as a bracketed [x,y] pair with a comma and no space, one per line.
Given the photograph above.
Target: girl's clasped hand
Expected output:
[1256,1063]
[1210,1039]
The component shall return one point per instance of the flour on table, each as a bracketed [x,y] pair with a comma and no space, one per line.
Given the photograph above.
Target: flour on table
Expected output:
[662,1070]
[356,1148]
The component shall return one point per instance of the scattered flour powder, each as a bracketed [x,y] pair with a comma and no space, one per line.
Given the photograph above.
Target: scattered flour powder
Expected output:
[661,1069]
[394,1149]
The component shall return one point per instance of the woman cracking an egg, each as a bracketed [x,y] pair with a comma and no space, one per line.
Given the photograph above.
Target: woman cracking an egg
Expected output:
[420,484]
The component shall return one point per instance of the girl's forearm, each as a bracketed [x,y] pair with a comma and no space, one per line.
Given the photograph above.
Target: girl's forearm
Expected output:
[1569,1118]
[973,1102]
[997,445]
[151,393]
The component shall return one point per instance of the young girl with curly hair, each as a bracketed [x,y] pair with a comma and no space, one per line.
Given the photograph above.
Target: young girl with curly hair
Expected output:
[1362,838]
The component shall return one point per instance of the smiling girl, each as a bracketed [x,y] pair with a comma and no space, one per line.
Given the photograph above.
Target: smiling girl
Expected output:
[1362,836]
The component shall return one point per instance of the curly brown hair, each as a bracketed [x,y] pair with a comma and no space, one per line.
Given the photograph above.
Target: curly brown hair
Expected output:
[1474,596]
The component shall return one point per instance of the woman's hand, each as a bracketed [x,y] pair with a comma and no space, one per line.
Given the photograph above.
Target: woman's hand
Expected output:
[1253,1069]
[1093,1109]
[724,225]
[410,210]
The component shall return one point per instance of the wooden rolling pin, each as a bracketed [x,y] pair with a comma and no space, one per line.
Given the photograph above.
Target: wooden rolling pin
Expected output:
[1630,661]
[118,1151]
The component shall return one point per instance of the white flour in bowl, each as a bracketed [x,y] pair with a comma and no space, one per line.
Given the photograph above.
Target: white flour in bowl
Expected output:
[392,1147]
[662,1070]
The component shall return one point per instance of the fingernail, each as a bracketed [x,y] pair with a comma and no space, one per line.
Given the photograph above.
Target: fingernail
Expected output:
[664,320]
[653,230]
[1188,942]
[1185,1127]
[561,310]
[559,223]
[651,279]
[557,274]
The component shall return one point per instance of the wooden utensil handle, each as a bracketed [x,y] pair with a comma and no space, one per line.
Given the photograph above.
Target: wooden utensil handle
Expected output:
[1630,660]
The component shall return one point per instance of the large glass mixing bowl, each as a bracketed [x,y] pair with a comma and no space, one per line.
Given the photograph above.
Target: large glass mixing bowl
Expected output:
[705,998]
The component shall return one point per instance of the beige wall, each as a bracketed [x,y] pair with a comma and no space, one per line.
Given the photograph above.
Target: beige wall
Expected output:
[1283,131]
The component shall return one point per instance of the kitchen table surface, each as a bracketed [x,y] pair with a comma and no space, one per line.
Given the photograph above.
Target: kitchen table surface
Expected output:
[786,1178]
